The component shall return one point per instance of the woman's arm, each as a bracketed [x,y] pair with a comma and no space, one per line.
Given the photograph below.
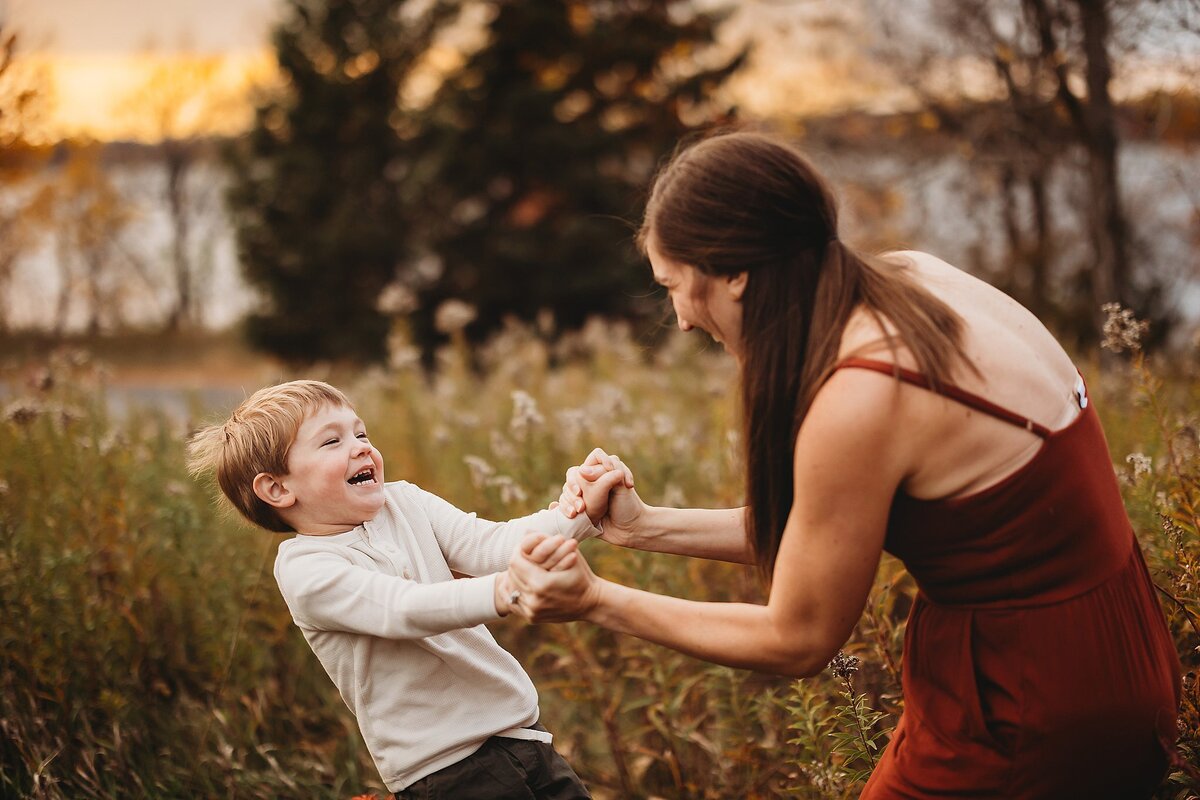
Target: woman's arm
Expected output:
[718,534]
[852,453]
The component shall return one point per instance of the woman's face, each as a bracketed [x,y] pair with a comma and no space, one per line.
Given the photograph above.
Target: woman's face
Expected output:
[712,304]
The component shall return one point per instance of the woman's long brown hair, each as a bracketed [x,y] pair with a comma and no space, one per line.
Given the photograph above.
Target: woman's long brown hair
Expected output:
[747,202]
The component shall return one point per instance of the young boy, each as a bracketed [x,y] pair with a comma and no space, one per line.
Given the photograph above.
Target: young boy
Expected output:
[444,710]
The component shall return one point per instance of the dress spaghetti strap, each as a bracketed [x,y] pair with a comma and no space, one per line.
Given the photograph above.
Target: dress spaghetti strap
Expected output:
[949,390]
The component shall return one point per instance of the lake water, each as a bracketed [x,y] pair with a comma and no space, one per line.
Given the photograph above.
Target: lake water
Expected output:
[936,203]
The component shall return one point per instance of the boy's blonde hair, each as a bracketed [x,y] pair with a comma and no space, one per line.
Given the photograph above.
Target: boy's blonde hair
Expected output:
[256,438]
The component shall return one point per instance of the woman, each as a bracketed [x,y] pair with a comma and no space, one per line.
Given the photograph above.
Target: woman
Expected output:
[896,404]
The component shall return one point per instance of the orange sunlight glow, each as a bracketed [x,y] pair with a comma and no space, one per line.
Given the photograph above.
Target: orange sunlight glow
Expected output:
[147,97]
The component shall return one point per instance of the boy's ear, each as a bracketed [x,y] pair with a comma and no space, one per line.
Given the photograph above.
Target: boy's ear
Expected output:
[737,285]
[271,491]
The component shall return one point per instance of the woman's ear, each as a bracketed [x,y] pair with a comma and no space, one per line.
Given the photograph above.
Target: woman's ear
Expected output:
[271,491]
[737,284]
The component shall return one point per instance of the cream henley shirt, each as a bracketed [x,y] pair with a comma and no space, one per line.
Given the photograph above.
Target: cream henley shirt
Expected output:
[403,640]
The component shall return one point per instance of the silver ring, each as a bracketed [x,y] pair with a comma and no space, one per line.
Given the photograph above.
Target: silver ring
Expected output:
[514,598]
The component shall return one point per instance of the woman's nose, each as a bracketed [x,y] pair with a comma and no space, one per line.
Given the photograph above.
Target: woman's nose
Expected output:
[684,325]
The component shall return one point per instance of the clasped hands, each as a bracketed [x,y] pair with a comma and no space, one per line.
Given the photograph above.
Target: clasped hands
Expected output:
[549,575]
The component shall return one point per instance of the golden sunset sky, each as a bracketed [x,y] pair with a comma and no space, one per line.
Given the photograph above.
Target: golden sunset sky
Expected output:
[94,56]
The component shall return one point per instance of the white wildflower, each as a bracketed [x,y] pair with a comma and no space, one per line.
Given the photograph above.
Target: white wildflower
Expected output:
[1140,463]
[23,412]
[502,446]
[401,354]
[453,315]
[441,435]
[663,425]
[511,492]
[466,419]
[570,425]
[1122,331]
[396,299]
[526,415]
[611,402]
[480,470]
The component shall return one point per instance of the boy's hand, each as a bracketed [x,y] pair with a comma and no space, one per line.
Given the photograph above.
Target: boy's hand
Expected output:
[502,594]
[596,492]
[590,485]
[623,508]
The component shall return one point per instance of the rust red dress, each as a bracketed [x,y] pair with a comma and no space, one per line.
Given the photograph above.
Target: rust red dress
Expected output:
[1037,662]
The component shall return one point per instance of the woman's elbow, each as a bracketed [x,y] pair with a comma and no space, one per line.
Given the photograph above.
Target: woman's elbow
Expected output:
[800,657]
[797,666]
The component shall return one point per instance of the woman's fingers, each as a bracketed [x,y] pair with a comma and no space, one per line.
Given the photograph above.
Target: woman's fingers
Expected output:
[628,472]
[590,472]
[531,542]
[568,561]
[549,551]
[554,561]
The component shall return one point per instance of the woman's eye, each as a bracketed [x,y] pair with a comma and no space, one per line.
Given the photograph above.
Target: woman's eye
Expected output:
[362,436]
[331,441]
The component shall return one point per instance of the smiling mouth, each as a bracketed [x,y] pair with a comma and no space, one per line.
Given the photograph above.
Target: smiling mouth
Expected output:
[363,477]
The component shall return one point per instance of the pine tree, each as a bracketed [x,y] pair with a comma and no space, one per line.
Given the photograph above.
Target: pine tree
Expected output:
[317,182]
[538,151]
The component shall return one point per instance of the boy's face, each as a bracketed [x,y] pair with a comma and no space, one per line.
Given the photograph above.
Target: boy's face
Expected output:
[335,475]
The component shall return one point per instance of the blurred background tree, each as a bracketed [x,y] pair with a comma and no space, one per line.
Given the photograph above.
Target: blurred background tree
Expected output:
[1046,107]
[180,101]
[510,186]
[88,218]
[22,102]
[316,192]
[537,151]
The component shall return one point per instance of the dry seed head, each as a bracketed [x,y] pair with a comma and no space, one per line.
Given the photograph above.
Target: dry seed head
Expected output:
[1122,331]
[1141,464]
[453,315]
[843,666]
[480,469]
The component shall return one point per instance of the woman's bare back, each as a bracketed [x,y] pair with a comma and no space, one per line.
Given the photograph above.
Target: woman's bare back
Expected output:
[1017,364]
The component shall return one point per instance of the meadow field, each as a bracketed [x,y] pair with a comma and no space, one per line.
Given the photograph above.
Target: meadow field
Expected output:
[145,651]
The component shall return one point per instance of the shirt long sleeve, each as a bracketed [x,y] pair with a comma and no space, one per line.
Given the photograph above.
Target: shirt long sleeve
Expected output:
[475,546]
[327,591]
[401,637]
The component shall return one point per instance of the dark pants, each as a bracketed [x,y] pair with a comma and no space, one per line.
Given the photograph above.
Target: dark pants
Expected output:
[502,769]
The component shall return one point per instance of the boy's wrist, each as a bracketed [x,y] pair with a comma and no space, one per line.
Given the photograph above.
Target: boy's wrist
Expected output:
[581,526]
[501,592]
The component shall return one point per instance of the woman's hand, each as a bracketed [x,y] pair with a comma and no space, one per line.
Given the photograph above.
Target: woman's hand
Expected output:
[620,518]
[552,588]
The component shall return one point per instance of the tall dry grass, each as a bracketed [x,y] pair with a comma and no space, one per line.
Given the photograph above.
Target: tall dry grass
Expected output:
[146,652]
